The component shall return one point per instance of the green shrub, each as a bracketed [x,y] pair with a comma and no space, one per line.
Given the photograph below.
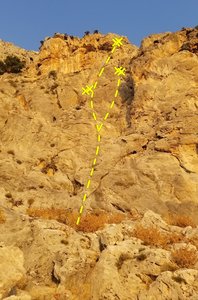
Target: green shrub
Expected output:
[2,68]
[12,64]
[52,74]
[87,33]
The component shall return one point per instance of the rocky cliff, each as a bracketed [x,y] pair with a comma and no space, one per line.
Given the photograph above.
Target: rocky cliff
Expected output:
[138,234]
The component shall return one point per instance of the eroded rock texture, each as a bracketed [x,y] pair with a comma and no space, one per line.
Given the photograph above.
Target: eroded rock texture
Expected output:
[148,163]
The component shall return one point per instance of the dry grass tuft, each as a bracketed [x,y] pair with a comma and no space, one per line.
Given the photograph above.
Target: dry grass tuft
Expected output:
[150,235]
[194,241]
[2,217]
[180,220]
[48,213]
[90,222]
[122,258]
[153,236]
[174,237]
[184,257]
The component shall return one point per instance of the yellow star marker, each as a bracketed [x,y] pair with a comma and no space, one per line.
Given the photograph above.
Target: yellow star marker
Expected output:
[87,90]
[120,71]
[117,42]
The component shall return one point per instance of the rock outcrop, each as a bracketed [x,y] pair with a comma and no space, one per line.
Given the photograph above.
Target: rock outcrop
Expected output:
[12,272]
[147,169]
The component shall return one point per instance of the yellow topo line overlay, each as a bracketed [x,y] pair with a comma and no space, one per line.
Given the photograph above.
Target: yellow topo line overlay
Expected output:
[106,116]
[108,59]
[91,104]
[88,183]
[94,116]
[97,150]
[112,104]
[88,90]
[84,197]
[101,71]
[92,170]
[116,93]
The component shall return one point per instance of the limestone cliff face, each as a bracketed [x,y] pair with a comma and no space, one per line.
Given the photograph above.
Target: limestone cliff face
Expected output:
[149,147]
[71,55]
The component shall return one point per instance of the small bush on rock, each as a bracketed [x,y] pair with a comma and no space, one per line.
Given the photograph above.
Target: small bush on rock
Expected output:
[180,220]
[87,33]
[90,222]
[2,68]
[89,48]
[12,64]
[105,47]
[184,257]
[52,74]
[150,235]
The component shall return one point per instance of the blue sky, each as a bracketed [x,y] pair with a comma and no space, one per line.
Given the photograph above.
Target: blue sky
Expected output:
[26,22]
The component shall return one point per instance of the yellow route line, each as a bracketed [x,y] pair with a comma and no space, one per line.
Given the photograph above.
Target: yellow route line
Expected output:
[88,183]
[97,150]
[88,90]
[108,59]
[84,197]
[94,116]
[101,71]
[81,209]
[91,103]
[106,116]
[112,104]
[92,170]
[99,127]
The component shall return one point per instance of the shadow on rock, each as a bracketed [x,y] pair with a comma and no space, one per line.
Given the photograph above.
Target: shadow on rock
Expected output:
[126,91]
